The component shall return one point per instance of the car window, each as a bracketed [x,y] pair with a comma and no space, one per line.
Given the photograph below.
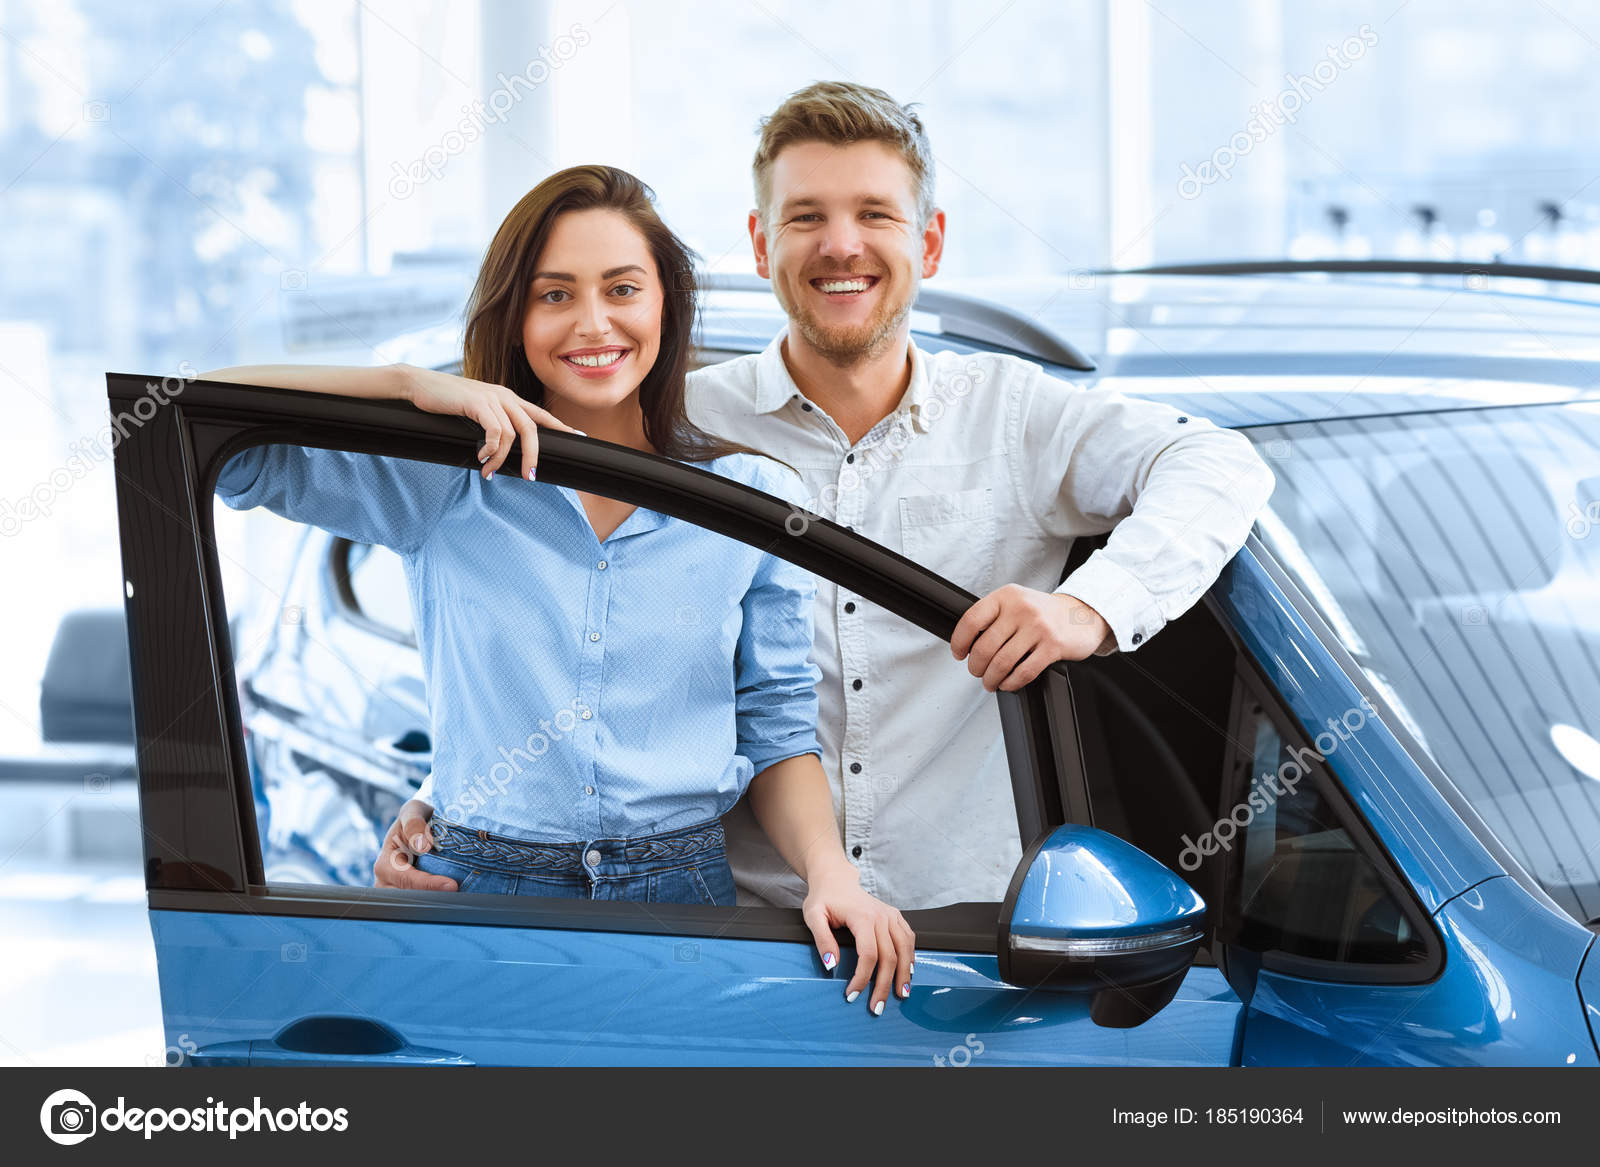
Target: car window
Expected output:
[1307,887]
[1154,729]
[347,694]
[1456,557]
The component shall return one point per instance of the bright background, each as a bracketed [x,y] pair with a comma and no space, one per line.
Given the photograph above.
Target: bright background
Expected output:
[195,184]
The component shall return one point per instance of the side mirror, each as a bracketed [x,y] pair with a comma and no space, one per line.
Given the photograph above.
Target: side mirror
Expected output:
[1088,912]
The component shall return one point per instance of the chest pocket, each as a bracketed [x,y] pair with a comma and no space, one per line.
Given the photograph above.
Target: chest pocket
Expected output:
[952,534]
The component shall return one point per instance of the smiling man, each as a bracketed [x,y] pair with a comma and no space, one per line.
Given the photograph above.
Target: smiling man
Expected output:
[982,468]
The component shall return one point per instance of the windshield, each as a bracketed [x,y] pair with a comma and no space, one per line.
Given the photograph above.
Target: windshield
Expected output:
[1457,555]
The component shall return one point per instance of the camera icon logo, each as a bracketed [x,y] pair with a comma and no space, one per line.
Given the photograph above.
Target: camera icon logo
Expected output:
[686,952]
[293,952]
[96,111]
[292,280]
[68,1117]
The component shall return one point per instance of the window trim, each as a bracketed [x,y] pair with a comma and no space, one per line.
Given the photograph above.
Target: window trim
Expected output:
[191,752]
[1250,683]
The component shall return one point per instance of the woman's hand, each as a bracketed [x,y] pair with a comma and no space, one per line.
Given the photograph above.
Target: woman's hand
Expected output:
[408,837]
[503,415]
[885,943]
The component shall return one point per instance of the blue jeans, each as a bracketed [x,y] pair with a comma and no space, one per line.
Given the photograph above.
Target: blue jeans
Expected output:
[685,866]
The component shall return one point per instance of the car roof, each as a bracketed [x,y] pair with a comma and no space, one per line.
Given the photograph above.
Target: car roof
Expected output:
[1256,349]
[1242,350]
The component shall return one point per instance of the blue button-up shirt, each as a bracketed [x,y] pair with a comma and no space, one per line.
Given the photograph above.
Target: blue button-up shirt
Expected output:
[577,689]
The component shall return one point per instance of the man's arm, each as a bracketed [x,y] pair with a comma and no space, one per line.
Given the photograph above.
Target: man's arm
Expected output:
[1177,493]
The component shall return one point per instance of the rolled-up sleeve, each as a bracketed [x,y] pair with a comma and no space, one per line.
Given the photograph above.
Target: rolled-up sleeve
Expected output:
[395,502]
[776,676]
[1177,493]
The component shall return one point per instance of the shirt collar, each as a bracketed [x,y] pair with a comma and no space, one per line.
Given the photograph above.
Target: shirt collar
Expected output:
[775,386]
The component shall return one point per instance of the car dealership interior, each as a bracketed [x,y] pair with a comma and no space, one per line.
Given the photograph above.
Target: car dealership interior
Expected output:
[1365,234]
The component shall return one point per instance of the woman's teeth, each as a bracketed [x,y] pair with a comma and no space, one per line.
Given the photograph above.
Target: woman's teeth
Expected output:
[598,360]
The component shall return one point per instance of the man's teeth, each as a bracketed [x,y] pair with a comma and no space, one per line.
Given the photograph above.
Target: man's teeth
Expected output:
[843,285]
[598,360]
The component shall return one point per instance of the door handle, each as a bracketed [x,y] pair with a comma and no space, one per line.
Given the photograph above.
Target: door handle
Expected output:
[413,747]
[326,1041]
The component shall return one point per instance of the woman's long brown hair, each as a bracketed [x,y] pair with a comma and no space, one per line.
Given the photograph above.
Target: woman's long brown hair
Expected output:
[499,302]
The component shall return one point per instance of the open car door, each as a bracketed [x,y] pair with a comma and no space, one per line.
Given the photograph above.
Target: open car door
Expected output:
[257,972]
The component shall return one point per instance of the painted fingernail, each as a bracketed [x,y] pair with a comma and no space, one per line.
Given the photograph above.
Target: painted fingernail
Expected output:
[532,473]
[483,456]
[828,961]
[491,475]
[911,969]
[877,1010]
[850,997]
[905,990]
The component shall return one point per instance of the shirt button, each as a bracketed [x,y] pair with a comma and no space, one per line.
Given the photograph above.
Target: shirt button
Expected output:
[855,852]
[850,606]
[806,405]
[592,858]
[849,457]
[856,684]
[601,565]
[589,790]
[587,714]
[855,767]
[1137,637]
[1182,420]
[594,636]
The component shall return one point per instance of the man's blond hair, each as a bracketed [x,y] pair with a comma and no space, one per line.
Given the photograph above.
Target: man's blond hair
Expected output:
[840,113]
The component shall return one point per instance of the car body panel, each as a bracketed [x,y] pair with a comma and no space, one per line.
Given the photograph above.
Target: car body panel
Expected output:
[1505,998]
[517,996]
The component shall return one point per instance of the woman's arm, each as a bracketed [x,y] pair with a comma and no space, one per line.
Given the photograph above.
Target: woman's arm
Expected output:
[503,415]
[790,800]
[344,380]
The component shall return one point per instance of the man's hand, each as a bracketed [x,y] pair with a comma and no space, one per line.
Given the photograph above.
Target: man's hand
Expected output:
[1014,633]
[407,836]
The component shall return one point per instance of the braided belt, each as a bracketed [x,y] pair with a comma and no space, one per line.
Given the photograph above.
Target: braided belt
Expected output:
[482,847]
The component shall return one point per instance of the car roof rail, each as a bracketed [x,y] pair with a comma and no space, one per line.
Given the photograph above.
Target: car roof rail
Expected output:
[967,317]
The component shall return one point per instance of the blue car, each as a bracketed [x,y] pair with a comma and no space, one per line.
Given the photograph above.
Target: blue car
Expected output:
[1345,811]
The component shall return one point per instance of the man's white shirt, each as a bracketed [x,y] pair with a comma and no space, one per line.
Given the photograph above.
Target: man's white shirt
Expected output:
[985,473]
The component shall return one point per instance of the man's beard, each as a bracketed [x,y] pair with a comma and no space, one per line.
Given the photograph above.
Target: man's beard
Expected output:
[847,347]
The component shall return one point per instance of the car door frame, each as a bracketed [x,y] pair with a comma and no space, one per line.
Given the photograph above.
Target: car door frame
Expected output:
[202,852]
